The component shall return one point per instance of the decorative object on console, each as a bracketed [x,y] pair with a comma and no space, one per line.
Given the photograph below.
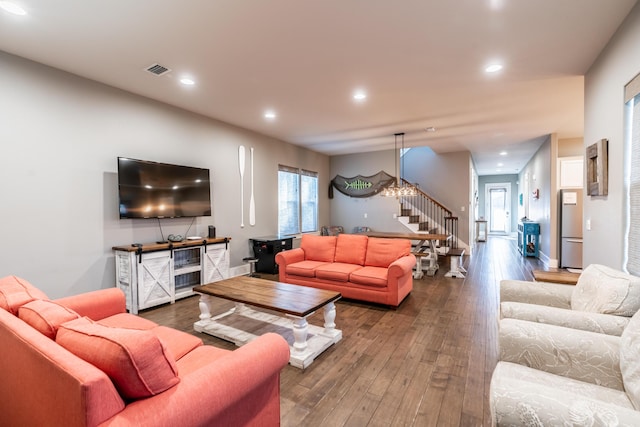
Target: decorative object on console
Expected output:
[361,186]
[597,168]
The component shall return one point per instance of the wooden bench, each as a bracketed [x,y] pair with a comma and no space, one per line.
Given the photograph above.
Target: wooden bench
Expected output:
[455,261]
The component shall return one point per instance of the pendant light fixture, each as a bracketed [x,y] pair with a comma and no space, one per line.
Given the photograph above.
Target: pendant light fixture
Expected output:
[399,189]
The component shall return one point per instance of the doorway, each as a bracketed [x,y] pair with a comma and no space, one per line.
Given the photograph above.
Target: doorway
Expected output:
[498,207]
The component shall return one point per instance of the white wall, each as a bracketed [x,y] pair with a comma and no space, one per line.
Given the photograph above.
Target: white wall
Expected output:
[349,212]
[616,65]
[446,177]
[59,140]
[540,177]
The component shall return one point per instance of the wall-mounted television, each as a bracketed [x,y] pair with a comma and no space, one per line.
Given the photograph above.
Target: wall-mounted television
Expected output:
[159,190]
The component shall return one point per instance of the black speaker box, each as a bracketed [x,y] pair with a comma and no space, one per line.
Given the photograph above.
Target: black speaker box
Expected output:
[212,232]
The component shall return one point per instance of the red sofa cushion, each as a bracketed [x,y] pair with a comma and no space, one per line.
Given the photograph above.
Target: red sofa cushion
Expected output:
[304,268]
[336,271]
[351,249]
[127,320]
[136,360]
[382,252]
[371,276]
[178,343]
[46,316]
[318,248]
[16,292]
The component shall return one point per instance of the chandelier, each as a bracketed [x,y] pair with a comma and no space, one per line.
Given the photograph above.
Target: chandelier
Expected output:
[399,188]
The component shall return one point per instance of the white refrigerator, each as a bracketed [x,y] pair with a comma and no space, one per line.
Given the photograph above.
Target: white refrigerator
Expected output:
[571,228]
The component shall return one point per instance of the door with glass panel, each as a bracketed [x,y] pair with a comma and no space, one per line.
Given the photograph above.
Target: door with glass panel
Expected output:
[498,203]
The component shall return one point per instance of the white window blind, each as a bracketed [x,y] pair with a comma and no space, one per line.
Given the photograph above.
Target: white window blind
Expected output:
[297,200]
[632,100]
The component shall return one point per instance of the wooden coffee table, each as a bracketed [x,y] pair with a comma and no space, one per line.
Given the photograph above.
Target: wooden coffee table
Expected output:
[242,324]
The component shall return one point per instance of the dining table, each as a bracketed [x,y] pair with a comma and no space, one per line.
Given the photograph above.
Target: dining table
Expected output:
[421,250]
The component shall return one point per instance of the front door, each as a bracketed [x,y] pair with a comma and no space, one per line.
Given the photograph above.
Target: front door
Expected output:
[498,203]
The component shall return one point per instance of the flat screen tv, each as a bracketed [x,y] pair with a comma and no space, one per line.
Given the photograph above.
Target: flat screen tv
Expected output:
[160,190]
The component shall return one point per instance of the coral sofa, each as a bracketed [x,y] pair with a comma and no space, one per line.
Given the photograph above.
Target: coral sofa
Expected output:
[359,267]
[84,361]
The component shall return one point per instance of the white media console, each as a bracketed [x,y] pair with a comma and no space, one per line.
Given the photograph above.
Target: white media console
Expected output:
[159,273]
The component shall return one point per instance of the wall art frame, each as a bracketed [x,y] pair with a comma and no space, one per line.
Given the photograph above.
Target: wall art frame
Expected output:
[597,168]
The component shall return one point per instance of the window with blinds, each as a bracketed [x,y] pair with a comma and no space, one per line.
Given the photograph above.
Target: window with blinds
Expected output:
[632,147]
[297,200]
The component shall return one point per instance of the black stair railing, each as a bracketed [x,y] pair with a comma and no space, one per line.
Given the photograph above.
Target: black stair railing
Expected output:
[430,215]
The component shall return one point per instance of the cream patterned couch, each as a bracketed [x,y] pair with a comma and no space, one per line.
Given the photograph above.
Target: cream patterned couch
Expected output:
[602,301]
[555,376]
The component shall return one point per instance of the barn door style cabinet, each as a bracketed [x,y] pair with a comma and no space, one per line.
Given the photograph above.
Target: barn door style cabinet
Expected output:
[154,274]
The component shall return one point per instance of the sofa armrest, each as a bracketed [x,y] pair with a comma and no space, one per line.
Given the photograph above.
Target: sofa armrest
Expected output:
[96,305]
[583,320]
[227,391]
[581,355]
[519,394]
[541,293]
[402,266]
[289,257]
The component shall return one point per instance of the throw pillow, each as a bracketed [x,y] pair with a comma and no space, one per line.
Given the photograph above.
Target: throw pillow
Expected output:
[318,248]
[382,252]
[136,360]
[46,316]
[601,289]
[351,249]
[630,360]
[16,292]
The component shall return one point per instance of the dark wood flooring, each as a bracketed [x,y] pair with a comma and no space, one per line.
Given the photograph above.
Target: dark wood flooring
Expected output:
[428,363]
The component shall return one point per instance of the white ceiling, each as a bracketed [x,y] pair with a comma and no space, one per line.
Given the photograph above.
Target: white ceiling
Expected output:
[420,61]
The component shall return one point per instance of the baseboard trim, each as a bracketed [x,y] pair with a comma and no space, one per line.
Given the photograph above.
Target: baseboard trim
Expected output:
[548,262]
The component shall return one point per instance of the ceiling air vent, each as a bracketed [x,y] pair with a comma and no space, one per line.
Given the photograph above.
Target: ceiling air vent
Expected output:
[157,69]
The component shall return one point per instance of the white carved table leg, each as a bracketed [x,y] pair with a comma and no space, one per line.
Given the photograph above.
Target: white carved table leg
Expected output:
[205,307]
[329,321]
[300,328]
[329,318]
[240,307]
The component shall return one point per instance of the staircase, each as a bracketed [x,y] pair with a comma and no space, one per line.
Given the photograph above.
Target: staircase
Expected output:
[422,213]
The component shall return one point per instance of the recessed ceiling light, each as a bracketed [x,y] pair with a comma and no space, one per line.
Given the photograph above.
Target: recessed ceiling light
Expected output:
[270,115]
[187,81]
[430,129]
[359,95]
[500,165]
[493,68]
[503,153]
[12,7]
